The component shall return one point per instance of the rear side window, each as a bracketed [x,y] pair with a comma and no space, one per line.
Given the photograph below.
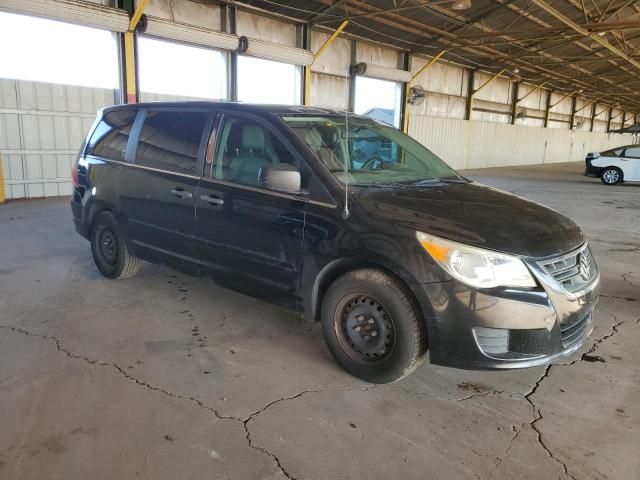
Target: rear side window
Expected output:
[109,140]
[632,152]
[171,140]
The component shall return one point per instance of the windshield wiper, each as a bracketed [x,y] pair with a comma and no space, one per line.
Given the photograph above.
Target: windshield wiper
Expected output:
[440,180]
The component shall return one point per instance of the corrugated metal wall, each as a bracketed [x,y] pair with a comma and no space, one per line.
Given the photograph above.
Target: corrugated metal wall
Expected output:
[42,126]
[463,144]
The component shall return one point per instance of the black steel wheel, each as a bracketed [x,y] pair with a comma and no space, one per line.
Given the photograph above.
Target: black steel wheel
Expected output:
[373,326]
[364,329]
[109,248]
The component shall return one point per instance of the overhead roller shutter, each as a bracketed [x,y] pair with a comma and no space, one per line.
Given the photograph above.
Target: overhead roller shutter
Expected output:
[273,51]
[182,32]
[383,73]
[72,11]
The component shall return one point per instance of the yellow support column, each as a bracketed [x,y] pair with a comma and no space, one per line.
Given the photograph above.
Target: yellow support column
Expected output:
[129,53]
[2,198]
[130,67]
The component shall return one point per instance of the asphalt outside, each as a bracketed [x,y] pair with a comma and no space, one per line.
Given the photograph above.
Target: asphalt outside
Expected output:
[165,376]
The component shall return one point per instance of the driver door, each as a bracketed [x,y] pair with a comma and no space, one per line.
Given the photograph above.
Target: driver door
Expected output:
[249,235]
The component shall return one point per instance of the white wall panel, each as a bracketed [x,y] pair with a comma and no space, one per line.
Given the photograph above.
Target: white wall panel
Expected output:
[464,144]
[329,91]
[441,77]
[41,129]
[439,105]
[161,97]
[265,28]
[377,55]
[499,90]
[335,59]
[186,11]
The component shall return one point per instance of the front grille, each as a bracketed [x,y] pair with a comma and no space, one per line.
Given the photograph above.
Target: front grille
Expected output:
[572,332]
[573,271]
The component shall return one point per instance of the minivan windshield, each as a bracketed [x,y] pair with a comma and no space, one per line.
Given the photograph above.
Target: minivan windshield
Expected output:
[371,153]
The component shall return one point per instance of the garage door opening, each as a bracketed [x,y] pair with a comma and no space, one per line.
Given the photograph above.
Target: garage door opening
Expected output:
[48,51]
[172,71]
[379,99]
[266,81]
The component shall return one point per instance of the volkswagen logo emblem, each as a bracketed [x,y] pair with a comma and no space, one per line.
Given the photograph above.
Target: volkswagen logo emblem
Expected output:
[585,265]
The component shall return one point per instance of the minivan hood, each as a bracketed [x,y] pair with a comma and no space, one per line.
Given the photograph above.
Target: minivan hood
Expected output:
[475,214]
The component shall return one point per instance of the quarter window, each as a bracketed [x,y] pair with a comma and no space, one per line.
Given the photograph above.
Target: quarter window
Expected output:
[171,140]
[244,147]
[109,139]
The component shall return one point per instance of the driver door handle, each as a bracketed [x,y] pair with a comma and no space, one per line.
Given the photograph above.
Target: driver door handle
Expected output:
[212,199]
[181,193]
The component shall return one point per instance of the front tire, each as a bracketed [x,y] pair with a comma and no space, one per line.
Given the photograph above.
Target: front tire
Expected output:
[372,326]
[611,176]
[109,248]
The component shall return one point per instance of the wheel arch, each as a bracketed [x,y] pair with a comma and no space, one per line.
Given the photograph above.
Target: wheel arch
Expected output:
[99,206]
[338,267]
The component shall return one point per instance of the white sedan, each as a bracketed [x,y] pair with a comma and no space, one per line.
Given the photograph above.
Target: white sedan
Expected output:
[614,166]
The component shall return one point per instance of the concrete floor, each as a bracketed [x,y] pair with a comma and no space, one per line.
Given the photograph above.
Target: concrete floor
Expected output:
[165,376]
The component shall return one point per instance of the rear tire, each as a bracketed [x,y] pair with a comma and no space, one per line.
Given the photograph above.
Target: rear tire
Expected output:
[373,326]
[611,176]
[109,248]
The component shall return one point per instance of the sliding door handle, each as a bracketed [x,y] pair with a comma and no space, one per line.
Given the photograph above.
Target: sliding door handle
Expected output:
[212,200]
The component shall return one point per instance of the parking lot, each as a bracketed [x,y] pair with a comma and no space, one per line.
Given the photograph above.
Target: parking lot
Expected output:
[168,376]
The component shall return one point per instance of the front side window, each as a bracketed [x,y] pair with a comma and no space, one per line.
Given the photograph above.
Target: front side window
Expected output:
[170,140]
[615,152]
[370,153]
[244,147]
[109,139]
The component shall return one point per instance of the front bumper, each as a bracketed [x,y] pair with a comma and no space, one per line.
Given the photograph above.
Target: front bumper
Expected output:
[508,328]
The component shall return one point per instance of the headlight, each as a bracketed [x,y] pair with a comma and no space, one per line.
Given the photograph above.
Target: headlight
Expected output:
[475,266]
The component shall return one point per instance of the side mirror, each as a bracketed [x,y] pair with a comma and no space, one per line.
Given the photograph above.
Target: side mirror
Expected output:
[281,177]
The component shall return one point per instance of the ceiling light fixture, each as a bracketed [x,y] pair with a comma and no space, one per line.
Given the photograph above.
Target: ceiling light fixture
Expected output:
[461,5]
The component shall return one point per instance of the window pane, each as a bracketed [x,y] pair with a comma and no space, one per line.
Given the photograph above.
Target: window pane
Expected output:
[109,140]
[378,99]
[372,153]
[633,152]
[171,140]
[175,69]
[244,148]
[266,81]
[48,51]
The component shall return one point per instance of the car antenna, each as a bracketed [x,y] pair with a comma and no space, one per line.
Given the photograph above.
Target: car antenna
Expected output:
[346,213]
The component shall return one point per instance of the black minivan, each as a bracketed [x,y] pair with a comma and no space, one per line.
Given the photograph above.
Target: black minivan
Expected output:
[344,219]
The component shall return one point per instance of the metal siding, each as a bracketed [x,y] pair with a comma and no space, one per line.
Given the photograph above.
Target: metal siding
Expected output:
[266,29]
[464,144]
[376,55]
[329,91]
[42,125]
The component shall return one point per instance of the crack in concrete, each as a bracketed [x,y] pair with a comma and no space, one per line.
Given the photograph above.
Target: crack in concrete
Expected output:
[626,279]
[198,402]
[507,450]
[537,413]
[537,416]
